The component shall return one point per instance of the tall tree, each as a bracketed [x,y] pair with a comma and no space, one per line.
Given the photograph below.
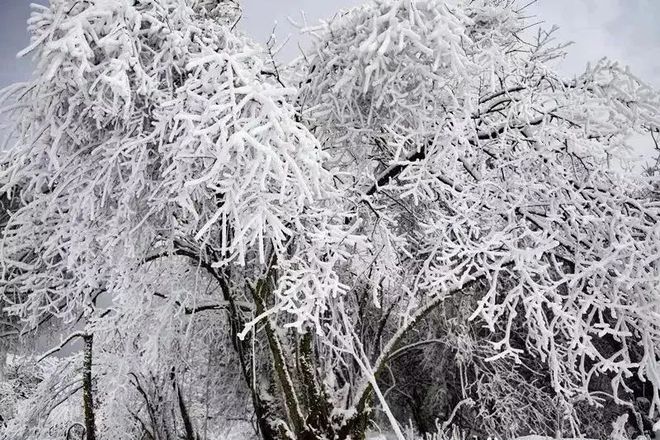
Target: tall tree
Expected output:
[480,171]
[149,133]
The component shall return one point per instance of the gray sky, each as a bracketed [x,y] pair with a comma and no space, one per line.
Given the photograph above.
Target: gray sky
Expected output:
[625,30]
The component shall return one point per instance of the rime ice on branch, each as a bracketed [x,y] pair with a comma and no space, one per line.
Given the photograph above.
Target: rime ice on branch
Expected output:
[475,161]
[430,156]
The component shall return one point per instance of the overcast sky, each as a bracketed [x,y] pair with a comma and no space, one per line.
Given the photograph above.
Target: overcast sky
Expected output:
[625,30]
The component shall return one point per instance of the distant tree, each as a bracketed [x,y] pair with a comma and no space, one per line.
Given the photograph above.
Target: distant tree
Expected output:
[422,177]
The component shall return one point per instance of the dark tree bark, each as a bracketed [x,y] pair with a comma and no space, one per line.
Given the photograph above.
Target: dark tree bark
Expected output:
[88,400]
[187,423]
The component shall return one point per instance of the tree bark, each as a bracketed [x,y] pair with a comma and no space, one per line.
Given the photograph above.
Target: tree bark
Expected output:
[88,396]
[291,402]
[187,423]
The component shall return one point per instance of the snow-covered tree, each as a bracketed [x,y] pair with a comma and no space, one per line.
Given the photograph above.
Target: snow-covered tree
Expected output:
[422,177]
[149,133]
[480,171]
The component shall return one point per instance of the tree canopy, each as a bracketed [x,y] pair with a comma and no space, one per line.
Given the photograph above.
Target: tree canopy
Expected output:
[419,219]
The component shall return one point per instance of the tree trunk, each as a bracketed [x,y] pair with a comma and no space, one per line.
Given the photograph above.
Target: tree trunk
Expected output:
[187,423]
[88,400]
[291,403]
